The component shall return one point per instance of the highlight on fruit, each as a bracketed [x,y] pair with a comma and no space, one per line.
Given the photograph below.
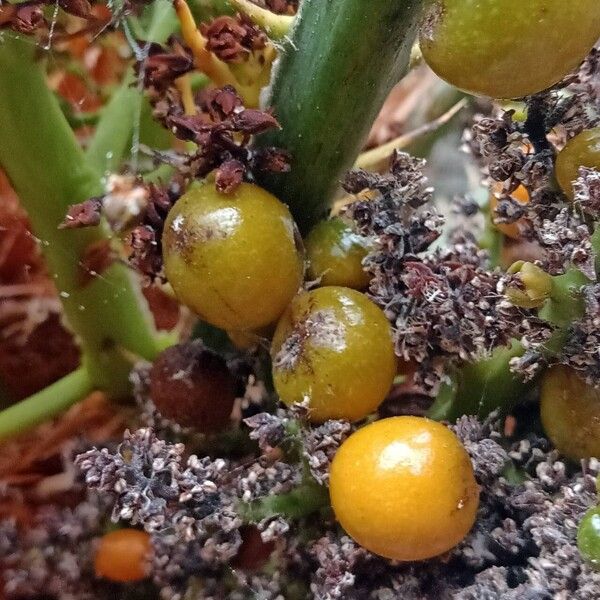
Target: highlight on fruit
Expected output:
[299,299]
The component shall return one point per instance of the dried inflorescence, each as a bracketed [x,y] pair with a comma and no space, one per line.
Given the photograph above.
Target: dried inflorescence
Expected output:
[29,17]
[53,556]
[191,507]
[523,543]
[284,7]
[233,39]
[222,131]
[516,153]
[444,305]
[579,348]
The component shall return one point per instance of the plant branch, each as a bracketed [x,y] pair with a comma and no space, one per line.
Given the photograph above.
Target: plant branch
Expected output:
[309,497]
[47,169]
[114,131]
[327,95]
[46,404]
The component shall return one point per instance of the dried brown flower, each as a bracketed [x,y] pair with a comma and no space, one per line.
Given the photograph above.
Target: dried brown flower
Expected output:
[233,39]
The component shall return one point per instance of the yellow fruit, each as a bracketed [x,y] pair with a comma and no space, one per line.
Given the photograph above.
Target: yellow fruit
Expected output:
[508,48]
[335,255]
[570,412]
[404,488]
[233,259]
[333,346]
[581,151]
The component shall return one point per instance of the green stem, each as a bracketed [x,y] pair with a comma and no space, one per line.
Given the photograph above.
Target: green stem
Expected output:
[46,404]
[306,499]
[113,135]
[42,159]
[332,78]
[482,387]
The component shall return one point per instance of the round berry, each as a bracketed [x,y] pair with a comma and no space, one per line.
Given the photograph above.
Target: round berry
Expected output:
[404,488]
[123,556]
[570,412]
[508,48]
[581,151]
[333,347]
[335,254]
[233,259]
[193,387]
[588,536]
[511,230]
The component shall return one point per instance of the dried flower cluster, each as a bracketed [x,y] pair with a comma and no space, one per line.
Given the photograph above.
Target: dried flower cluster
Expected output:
[191,506]
[514,153]
[233,39]
[444,304]
[53,556]
[30,18]
[523,543]
[284,7]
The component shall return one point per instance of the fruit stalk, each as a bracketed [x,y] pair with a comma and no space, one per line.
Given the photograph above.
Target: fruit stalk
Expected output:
[327,96]
[45,404]
[46,167]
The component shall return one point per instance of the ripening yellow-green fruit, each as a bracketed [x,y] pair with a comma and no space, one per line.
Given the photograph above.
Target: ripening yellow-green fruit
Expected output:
[508,48]
[333,347]
[234,259]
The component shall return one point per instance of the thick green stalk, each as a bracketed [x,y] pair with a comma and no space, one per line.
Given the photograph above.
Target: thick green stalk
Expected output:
[333,76]
[44,405]
[482,387]
[42,159]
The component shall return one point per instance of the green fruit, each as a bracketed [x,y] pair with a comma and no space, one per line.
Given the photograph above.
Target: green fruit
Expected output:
[588,536]
[335,254]
[508,48]
[581,151]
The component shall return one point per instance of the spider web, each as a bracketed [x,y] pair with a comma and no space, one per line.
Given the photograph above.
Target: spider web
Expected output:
[47,47]
[138,51]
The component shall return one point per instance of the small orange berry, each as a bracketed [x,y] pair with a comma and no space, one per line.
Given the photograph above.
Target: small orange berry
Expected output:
[404,488]
[122,555]
[511,230]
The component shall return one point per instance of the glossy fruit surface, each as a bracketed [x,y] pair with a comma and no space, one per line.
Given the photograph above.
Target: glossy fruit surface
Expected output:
[334,347]
[233,259]
[588,536]
[193,387]
[511,230]
[570,412]
[122,556]
[581,151]
[335,255]
[404,488]
[508,48]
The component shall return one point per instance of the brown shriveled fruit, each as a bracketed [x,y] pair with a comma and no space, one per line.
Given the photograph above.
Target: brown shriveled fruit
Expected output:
[193,386]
